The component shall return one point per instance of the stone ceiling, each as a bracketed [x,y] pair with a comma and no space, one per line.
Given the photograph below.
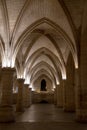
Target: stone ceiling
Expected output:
[37,36]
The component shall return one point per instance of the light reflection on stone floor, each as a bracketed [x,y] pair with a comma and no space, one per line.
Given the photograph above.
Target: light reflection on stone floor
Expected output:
[44,117]
[45,113]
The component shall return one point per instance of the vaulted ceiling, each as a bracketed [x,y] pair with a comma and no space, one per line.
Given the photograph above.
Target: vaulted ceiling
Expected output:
[37,36]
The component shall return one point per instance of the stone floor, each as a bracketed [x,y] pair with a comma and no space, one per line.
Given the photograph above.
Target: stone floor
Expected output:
[45,113]
[44,117]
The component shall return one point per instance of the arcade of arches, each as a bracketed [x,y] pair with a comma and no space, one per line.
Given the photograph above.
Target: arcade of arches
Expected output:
[43,40]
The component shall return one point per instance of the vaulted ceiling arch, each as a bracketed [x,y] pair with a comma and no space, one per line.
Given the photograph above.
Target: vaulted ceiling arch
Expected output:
[27,32]
[19,18]
[69,18]
[45,65]
[50,38]
[6,36]
[40,73]
[50,54]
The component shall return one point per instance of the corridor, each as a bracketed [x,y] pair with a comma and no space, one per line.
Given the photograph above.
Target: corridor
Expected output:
[44,117]
[45,113]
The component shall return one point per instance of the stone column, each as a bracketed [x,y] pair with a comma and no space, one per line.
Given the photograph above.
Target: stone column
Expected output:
[20,100]
[77,93]
[55,96]
[26,95]
[81,112]
[6,109]
[0,86]
[64,94]
[69,86]
[59,95]
[81,98]
[30,96]
[68,97]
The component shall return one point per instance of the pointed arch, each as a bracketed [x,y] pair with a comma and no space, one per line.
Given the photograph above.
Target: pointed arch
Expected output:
[49,54]
[59,30]
[41,64]
[40,73]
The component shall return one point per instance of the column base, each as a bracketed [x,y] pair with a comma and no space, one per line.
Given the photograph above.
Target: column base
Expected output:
[27,105]
[68,109]
[81,116]
[19,109]
[7,114]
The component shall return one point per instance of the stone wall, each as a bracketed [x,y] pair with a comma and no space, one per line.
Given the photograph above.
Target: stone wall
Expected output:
[42,97]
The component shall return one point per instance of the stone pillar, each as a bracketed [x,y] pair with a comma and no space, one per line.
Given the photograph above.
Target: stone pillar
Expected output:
[81,112]
[30,96]
[55,96]
[20,100]
[26,95]
[6,109]
[68,97]
[69,86]
[81,99]
[0,86]
[77,95]
[64,94]
[59,95]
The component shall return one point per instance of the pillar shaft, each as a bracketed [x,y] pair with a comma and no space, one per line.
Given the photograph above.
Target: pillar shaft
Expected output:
[6,109]
[55,96]
[20,100]
[30,96]
[69,87]
[69,91]
[68,97]
[81,92]
[59,96]
[64,94]
[81,97]
[26,95]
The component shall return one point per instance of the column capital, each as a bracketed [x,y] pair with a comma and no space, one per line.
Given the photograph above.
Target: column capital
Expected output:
[20,80]
[26,85]
[8,70]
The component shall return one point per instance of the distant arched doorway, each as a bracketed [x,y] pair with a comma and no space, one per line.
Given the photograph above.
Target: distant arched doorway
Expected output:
[43,85]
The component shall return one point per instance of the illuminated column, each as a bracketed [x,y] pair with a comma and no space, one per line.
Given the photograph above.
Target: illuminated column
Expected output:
[69,86]
[59,95]
[55,96]
[20,100]
[26,95]
[6,109]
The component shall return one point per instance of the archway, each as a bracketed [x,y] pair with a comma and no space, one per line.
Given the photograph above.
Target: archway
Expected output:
[43,85]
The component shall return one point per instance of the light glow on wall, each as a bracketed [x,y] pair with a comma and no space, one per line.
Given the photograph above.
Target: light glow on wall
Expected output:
[20,74]
[76,62]
[31,86]
[20,77]
[53,89]
[27,80]
[15,90]
[64,76]
[7,62]
[54,86]
[76,65]
[12,63]
[57,82]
